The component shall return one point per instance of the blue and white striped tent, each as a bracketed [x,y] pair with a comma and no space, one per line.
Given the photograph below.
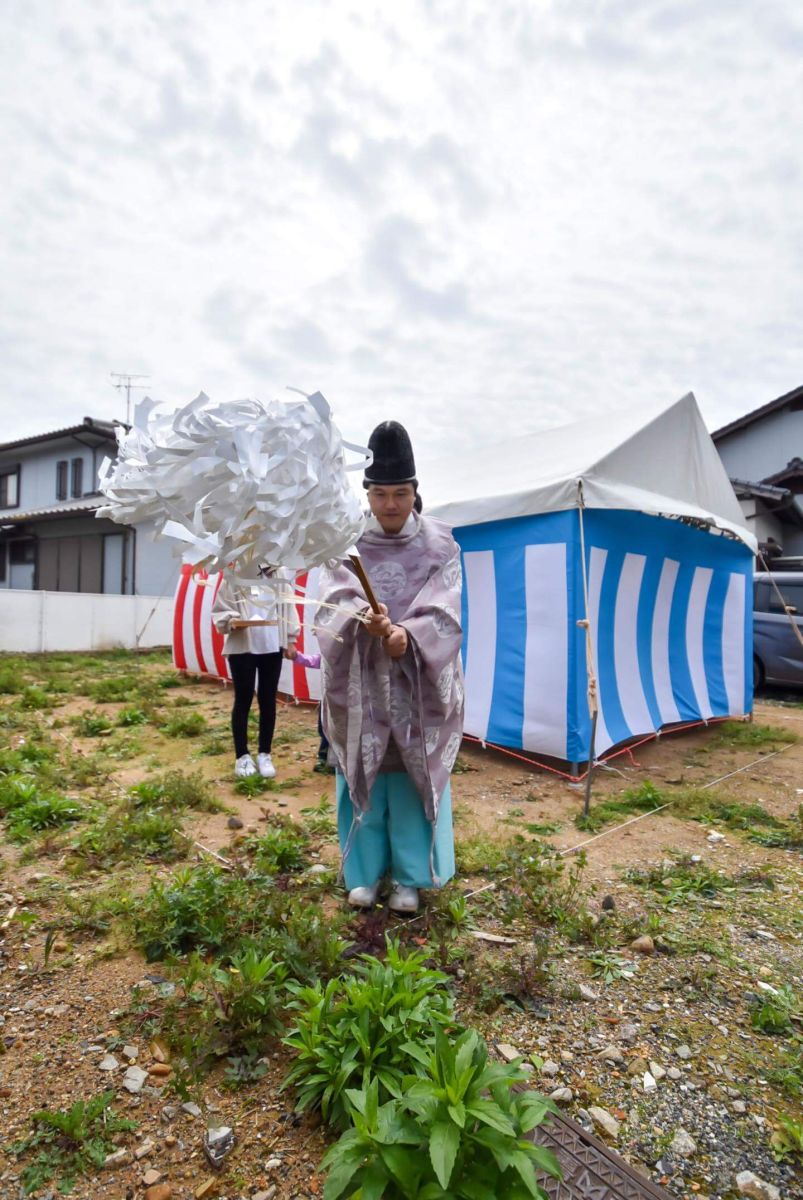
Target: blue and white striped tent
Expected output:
[666,586]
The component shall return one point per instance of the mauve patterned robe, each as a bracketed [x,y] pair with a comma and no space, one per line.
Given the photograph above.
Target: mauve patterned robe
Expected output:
[418,698]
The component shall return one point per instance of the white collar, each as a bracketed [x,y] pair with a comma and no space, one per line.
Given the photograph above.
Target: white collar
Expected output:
[372,525]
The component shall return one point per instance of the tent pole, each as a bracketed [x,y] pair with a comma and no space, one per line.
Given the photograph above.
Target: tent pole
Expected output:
[585,623]
[587,797]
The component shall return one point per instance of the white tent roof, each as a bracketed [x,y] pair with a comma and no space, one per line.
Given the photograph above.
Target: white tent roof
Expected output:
[661,462]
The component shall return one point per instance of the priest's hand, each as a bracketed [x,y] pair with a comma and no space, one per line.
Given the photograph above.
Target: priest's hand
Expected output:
[378,624]
[397,641]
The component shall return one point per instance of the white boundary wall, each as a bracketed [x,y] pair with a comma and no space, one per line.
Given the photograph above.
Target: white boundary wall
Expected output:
[32,622]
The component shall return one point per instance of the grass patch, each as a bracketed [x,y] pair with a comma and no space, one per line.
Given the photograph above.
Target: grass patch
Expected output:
[737,734]
[176,791]
[187,725]
[282,848]
[683,877]
[92,724]
[644,798]
[69,1142]
[125,835]
[116,689]
[11,682]
[41,813]
[34,699]
[774,1012]
[290,737]
[131,716]
[480,854]
[223,914]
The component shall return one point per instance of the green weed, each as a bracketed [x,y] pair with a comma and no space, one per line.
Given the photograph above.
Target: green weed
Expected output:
[176,791]
[34,699]
[787,1140]
[131,716]
[479,854]
[747,734]
[115,689]
[773,1013]
[222,913]
[360,1028]
[127,834]
[92,724]
[644,798]
[185,725]
[681,878]
[40,813]
[459,1129]
[69,1142]
[11,682]
[282,848]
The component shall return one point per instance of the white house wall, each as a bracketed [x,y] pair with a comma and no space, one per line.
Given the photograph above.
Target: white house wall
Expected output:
[762,448]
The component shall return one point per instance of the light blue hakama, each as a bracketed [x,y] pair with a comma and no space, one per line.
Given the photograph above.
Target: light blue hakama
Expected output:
[393,836]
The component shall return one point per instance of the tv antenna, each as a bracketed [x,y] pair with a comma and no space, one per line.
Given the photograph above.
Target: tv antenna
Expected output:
[125,382]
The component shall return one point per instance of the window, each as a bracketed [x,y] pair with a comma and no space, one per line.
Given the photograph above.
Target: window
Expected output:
[9,487]
[792,594]
[77,477]
[61,479]
[3,571]
[21,552]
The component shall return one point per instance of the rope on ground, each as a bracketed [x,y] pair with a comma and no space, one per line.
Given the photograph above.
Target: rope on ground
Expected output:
[631,821]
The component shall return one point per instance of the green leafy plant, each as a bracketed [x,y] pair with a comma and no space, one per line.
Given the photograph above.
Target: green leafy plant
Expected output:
[185,725]
[456,1131]
[114,689]
[609,967]
[244,1068]
[10,681]
[40,813]
[788,1073]
[644,798]
[448,918]
[223,913]
[69,1142]
[92,724]
[283,847]
[319,820]
[34,699]
[221,1010]
[787,1140]
[131,716]
[681,878]
[773,1013]
[748,734]
[176,791]
[359,1028]
[126,834]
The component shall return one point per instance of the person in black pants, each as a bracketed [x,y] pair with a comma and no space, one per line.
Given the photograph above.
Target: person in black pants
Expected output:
[255,660]
[248,670]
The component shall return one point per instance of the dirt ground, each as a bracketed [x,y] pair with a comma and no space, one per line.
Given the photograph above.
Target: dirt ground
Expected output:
[58,1023]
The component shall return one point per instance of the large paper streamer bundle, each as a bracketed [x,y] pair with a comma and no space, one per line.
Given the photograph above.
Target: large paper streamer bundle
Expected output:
[241,484]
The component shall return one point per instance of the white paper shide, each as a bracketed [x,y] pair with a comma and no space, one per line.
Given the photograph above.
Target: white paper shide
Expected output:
[242,484]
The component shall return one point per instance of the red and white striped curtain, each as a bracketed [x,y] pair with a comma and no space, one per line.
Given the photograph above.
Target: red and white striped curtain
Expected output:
[198,647]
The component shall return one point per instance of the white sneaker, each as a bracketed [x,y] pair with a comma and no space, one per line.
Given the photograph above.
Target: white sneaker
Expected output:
[403,899]
[245,766]
[363,897]
[266,767]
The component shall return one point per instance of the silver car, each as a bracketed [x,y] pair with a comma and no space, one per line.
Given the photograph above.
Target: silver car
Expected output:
[777,653]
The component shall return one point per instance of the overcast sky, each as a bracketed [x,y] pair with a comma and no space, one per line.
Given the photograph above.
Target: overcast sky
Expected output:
[475,217]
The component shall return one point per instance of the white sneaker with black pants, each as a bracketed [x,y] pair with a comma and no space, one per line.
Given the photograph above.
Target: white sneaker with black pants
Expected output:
[250,672]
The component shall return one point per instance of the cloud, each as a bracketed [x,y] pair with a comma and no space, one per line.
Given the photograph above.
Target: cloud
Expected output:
[479,217]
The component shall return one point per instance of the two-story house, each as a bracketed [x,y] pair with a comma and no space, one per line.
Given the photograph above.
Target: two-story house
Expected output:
[50,538]
[763,455]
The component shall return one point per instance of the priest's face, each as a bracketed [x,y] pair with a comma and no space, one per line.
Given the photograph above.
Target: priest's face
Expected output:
[391,504]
